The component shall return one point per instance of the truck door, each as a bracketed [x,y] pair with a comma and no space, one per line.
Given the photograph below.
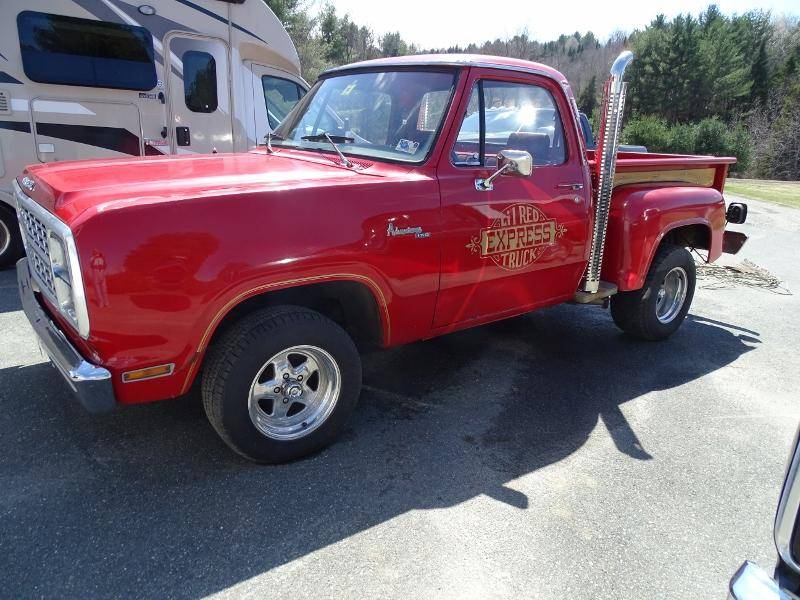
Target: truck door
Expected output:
[199,95]
[523,243]
[274,94]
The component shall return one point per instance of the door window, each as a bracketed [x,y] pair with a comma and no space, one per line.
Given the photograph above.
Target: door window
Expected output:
[280,96]
[72,51]
[503,115]
[200,81]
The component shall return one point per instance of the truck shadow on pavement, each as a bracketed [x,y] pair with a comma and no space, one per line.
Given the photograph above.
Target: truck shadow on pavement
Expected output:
[9,298]
[149,502]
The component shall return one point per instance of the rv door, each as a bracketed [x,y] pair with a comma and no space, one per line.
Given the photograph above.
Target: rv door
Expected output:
[274,94]
[199,95]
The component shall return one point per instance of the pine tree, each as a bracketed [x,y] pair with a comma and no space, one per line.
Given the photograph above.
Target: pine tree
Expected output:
[726,72]
[759,75]
[587,100]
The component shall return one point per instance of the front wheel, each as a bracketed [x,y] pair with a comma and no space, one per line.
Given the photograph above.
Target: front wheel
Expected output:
[657,310]
[280,384]
[11,248]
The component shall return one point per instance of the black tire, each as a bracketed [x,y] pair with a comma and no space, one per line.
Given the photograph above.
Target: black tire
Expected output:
[635,312]
[239,356]
[11,247]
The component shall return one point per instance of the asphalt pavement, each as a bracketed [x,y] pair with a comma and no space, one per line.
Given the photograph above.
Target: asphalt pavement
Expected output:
[547,456]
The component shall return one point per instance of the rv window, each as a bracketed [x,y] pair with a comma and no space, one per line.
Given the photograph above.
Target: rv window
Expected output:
[73,51]
[200,81]
[280,96]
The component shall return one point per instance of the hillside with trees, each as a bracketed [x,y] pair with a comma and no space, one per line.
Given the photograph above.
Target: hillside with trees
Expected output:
[706,83]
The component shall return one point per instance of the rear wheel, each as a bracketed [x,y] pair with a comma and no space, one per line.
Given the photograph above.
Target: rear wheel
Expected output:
[657,310]
[281,383]
[11,248]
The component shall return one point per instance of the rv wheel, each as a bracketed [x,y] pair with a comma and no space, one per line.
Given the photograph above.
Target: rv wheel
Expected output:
[11,249]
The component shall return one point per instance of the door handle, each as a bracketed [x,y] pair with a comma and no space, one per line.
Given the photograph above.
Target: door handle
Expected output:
[183,136]
[570,186]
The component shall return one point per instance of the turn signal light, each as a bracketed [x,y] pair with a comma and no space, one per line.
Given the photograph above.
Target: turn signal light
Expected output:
[148,373]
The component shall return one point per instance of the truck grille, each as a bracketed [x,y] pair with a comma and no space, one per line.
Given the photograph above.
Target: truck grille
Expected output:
[38,251]
[43,275]
[35,231]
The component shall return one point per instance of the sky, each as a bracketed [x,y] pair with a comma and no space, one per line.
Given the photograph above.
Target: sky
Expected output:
[439,24]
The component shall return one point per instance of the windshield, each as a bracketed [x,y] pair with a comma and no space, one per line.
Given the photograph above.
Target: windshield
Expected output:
[391,115]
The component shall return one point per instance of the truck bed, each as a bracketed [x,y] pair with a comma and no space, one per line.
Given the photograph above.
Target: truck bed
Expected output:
[636,167]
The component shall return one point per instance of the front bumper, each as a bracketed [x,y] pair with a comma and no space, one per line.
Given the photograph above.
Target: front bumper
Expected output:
[752,583]
[90,383]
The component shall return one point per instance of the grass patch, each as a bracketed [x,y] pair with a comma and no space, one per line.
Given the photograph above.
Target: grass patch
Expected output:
[778,192]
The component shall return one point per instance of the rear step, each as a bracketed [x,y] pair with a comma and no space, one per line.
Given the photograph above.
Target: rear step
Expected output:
[604,290]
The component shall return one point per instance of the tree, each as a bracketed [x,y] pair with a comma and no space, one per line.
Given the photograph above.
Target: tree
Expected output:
[285,10]
[650,73]
[759,76]
[392,44]
[587,101]
[727,73]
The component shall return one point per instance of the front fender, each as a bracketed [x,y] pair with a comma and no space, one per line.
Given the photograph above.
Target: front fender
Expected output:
[640,218]
[216,312]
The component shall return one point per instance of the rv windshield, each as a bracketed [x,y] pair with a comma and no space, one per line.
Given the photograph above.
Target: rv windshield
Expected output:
[392,115]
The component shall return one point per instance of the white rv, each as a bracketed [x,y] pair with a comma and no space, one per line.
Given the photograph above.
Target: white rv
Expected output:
[113,78]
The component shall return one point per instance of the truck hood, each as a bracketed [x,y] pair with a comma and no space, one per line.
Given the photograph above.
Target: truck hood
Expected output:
[70,189]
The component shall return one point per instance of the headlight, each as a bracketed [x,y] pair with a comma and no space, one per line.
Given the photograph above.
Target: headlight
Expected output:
[62,280]
[53,258]
[67,281]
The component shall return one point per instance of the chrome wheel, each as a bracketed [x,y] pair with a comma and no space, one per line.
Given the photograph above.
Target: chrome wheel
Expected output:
[294,392]
[5,237]
[671,295]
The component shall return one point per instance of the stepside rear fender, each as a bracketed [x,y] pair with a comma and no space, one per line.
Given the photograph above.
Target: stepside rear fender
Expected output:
[642,216]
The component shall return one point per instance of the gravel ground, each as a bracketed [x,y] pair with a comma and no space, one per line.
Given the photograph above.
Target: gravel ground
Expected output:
[547,456]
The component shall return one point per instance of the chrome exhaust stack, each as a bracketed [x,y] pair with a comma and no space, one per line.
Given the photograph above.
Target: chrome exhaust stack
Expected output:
[605,163]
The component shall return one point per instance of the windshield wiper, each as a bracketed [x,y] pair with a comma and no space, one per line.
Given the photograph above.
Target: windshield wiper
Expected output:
[332,139]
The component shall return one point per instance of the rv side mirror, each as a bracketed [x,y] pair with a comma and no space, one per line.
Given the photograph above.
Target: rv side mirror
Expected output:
[509,162]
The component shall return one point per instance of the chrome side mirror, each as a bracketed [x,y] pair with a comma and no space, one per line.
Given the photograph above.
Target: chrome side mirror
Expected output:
[509,162]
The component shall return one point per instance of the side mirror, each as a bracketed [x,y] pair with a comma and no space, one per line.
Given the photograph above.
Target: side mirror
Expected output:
[736,213]
[509,162]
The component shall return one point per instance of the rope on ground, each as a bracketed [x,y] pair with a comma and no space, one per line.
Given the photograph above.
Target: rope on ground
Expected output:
[746,273]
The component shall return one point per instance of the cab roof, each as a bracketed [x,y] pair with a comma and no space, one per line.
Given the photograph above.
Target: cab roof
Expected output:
[453,60]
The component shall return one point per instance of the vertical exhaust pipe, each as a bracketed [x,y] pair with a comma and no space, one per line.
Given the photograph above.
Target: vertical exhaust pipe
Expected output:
[605,163]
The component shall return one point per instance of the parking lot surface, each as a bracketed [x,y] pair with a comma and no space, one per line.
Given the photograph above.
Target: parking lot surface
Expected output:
[547,456]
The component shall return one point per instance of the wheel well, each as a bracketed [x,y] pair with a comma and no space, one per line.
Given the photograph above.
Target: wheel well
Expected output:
[697,236]
[348,303]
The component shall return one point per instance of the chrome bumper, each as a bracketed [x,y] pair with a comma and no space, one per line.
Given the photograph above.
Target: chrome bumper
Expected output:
[752,583]
[90,383]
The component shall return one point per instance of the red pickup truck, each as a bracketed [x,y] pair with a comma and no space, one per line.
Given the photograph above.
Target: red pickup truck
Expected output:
[401,199]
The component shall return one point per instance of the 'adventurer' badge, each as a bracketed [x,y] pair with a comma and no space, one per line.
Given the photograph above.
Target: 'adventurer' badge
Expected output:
[518,237]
